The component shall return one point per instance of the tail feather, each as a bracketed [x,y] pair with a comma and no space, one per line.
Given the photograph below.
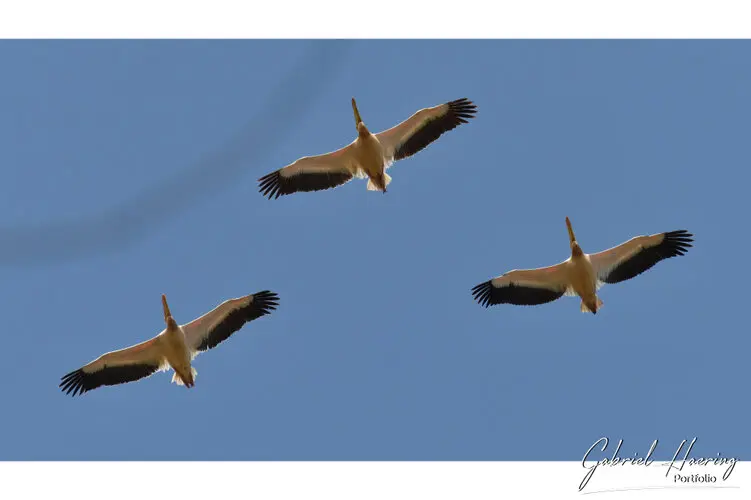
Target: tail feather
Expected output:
[386,182]
[585,309]
[177,379]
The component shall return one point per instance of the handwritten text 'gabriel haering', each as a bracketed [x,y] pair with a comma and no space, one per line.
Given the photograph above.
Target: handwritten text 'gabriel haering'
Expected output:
[646,460]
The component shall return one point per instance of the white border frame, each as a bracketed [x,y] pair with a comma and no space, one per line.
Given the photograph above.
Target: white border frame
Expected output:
[353,19]
[353,481]
[381,19]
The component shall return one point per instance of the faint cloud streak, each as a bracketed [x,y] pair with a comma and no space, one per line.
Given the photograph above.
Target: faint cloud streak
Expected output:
[116,228]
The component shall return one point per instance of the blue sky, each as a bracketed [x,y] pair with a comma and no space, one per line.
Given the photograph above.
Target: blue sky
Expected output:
[129,170]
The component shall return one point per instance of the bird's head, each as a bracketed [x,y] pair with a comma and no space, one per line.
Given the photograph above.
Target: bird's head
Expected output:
[168,319]
[575,249]
[362,130]
[358,119]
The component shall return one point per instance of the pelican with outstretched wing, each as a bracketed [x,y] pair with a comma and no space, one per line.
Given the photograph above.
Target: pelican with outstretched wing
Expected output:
[582,274]
[175,347]
[368,155]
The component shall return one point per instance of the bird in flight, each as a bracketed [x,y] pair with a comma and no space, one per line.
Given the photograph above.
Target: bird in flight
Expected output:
[582,274]
[175,347]
[369,155]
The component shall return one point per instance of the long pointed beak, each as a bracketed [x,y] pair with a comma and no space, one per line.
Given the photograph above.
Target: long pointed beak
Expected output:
[167,314]
[570,230]
[357,113]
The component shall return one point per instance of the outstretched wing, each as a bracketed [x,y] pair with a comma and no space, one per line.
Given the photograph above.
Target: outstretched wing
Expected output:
[424,127]
[311,173]
[638,255]
[525,287]
[117,367]
[218,325]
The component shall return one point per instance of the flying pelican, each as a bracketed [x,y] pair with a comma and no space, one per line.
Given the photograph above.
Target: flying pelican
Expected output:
[582,274]
[368,155]
[175,347]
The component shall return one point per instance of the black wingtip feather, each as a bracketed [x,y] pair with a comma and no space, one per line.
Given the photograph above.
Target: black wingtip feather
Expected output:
[73,382]
[270,185]
[462,108]
[676,243]
[266,302]
[481,293]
